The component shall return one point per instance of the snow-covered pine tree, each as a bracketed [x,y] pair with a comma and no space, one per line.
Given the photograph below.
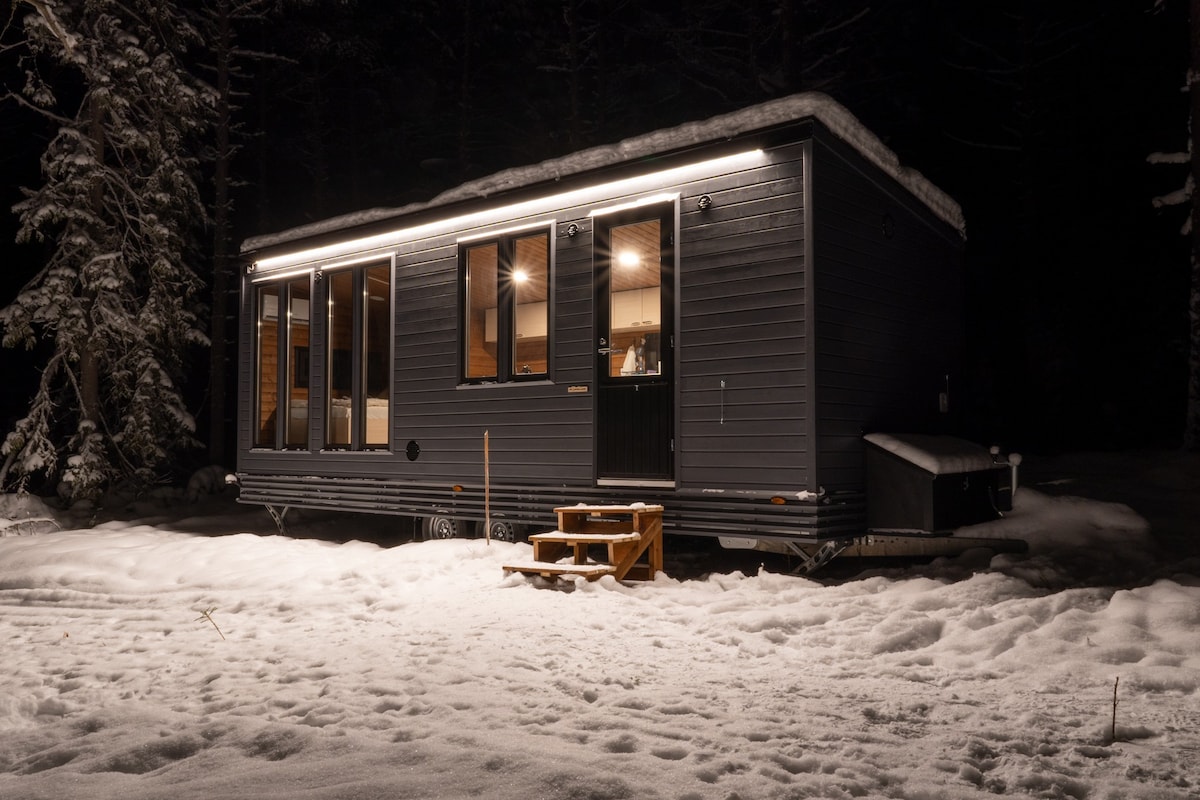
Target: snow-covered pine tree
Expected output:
[118,213]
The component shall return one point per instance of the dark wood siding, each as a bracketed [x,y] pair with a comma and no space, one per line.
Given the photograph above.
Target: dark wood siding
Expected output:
[740,294]
[888,285]
[742,324]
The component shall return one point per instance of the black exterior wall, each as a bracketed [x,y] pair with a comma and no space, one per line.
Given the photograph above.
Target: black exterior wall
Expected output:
[889,312]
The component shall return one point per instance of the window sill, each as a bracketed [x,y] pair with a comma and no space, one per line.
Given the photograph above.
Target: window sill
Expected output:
[506,384]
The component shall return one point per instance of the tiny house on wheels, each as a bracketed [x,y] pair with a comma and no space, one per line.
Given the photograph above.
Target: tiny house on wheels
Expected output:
[707,318]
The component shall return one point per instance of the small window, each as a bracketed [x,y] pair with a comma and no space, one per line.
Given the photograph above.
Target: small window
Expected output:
[506,308]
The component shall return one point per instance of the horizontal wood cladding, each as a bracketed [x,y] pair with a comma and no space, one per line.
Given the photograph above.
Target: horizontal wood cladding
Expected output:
[741,324]
[540,433]
[888,297]
[696,513]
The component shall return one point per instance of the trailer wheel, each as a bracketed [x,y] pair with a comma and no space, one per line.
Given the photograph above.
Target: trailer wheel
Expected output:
[503,531]
[439,527]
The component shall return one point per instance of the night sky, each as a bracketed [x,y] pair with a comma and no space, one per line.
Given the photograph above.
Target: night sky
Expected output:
[1038,121]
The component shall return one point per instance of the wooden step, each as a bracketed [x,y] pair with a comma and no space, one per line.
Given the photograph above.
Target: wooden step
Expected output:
[551,546]
[606,509]
[585,538]
[551,570]
[625,532]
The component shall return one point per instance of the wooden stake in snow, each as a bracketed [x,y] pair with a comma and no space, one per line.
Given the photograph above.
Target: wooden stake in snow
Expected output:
[487,493]
[1113,735]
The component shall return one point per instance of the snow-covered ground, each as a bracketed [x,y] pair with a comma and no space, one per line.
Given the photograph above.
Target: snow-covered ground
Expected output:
[422,671]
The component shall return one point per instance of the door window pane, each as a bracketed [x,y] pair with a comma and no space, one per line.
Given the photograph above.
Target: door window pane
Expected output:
[635,317]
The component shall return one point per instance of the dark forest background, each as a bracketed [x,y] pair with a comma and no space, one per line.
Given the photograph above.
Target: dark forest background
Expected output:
[1039,118]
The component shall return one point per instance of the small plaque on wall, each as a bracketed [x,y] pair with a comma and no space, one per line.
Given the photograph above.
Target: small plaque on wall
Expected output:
[577,389]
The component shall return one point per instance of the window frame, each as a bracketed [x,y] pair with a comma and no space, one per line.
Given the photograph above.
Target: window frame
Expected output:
[360,359]
[505,291]
[259,428]
[283,287]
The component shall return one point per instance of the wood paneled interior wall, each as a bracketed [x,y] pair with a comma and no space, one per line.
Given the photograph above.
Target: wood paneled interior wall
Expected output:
[268,392]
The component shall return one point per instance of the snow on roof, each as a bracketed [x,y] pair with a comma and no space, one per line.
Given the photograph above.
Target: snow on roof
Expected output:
[941,455]
[810,105]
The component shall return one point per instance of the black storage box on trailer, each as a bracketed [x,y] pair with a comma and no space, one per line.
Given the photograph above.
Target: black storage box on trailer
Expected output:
[929,484]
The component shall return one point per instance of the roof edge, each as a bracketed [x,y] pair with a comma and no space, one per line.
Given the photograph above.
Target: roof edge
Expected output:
[793,108]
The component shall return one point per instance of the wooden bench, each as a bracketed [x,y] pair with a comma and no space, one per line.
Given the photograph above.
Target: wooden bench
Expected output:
[626,533]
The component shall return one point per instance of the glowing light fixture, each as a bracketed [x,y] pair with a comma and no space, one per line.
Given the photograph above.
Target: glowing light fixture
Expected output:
[629,259]
[377,246]
[491,234]
[520,275]
[292,273]
[663,197]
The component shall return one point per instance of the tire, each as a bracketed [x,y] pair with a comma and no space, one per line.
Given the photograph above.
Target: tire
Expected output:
[503,531]
[439,527]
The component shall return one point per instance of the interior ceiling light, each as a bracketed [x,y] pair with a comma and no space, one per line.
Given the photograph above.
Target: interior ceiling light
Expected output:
[629,259]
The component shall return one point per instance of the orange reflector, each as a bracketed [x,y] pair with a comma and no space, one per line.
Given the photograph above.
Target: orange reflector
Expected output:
[456,488]
[777,500]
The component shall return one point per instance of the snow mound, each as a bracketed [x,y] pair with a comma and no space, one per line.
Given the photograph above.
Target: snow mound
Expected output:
[25,515]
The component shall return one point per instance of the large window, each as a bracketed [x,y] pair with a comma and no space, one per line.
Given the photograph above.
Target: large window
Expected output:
[356,356]
[358,380]
[282,418]
[506,312]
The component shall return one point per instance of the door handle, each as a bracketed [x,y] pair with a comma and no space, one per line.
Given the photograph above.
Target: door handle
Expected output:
[606,350]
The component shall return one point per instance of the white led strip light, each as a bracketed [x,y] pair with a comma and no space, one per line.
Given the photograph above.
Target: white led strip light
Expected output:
[365,246]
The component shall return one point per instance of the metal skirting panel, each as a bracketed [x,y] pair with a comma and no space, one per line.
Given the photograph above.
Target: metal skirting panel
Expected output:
[686,513]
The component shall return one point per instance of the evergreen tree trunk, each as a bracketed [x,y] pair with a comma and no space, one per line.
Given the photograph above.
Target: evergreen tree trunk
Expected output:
[790,47]
[465,111]
[571,12]
[89,366]
[1191,430]
[221,235]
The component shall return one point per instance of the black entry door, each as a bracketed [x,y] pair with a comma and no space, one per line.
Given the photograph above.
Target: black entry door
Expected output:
[634,274]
